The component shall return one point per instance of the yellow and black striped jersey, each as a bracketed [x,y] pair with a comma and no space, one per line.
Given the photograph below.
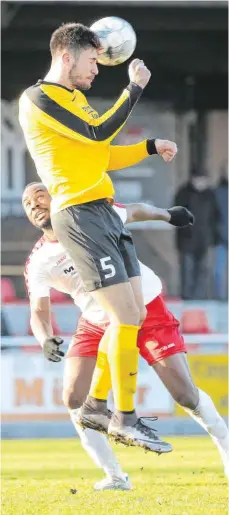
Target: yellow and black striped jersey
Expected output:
[71,144]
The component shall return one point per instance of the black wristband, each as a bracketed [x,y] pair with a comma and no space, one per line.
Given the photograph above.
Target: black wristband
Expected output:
[151,147]
[135,93]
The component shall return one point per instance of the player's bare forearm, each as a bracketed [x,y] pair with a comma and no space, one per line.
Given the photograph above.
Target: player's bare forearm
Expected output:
[145,212]
[42,330]
[178,216]
[40,321]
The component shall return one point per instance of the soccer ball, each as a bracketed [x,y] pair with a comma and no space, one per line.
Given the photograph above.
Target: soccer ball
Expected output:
[118,40]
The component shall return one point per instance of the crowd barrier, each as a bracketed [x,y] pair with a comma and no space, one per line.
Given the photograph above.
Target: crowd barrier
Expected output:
[31,388]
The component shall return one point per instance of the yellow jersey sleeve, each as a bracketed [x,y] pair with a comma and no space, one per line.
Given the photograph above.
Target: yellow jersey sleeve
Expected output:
[125,156]
[70,118]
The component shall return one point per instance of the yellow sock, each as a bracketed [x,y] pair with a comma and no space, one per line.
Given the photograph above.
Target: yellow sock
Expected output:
[101,379]
[123,360]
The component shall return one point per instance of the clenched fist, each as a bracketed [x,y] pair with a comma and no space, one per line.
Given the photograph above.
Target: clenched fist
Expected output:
[166,149]
[139,73]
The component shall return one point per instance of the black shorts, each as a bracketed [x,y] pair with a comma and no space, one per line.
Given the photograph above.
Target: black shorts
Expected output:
[97,241]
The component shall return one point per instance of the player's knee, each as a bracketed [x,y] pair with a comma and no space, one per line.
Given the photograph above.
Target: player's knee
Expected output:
[133,318]
[188,398]
[72,398]
[130,315]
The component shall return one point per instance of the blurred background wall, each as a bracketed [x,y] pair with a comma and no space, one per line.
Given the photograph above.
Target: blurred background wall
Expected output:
[185,46]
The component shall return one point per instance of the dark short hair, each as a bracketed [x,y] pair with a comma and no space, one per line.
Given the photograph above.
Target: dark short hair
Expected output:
[73,36]
[35,183]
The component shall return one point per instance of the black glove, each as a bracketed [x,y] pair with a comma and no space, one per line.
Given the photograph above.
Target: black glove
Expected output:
[51,349]
[180,216]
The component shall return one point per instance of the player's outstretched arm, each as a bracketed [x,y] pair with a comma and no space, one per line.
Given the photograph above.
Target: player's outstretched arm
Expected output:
[41,326]
[178,216]
[123,156]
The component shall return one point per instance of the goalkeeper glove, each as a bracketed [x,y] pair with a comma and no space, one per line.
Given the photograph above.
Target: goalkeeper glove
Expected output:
[51,349]
[180,216]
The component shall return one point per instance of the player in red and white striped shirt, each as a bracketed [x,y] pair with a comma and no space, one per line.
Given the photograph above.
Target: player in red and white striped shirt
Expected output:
[160,342]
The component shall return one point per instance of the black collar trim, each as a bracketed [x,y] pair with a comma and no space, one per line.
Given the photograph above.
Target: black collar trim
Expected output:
[40,81]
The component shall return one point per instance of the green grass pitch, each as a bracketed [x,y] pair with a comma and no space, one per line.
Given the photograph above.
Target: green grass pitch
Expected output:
[38,475]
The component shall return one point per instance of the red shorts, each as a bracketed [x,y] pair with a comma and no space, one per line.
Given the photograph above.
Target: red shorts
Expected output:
[158,338]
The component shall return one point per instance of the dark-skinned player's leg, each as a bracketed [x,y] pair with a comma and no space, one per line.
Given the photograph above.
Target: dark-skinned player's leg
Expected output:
[162,345]
[175,374]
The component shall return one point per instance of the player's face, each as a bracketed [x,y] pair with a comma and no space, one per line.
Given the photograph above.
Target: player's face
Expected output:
[83,68]
[36,202]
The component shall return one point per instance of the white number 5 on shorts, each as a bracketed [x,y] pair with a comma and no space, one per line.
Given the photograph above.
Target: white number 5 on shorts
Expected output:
[107,266]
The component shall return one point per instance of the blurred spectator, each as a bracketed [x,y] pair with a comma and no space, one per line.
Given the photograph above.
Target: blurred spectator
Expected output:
[4,328]
[220,272]
[193,243]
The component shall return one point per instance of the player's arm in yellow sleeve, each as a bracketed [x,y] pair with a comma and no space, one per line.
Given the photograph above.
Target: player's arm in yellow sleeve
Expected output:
[129,155]
[78,124]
